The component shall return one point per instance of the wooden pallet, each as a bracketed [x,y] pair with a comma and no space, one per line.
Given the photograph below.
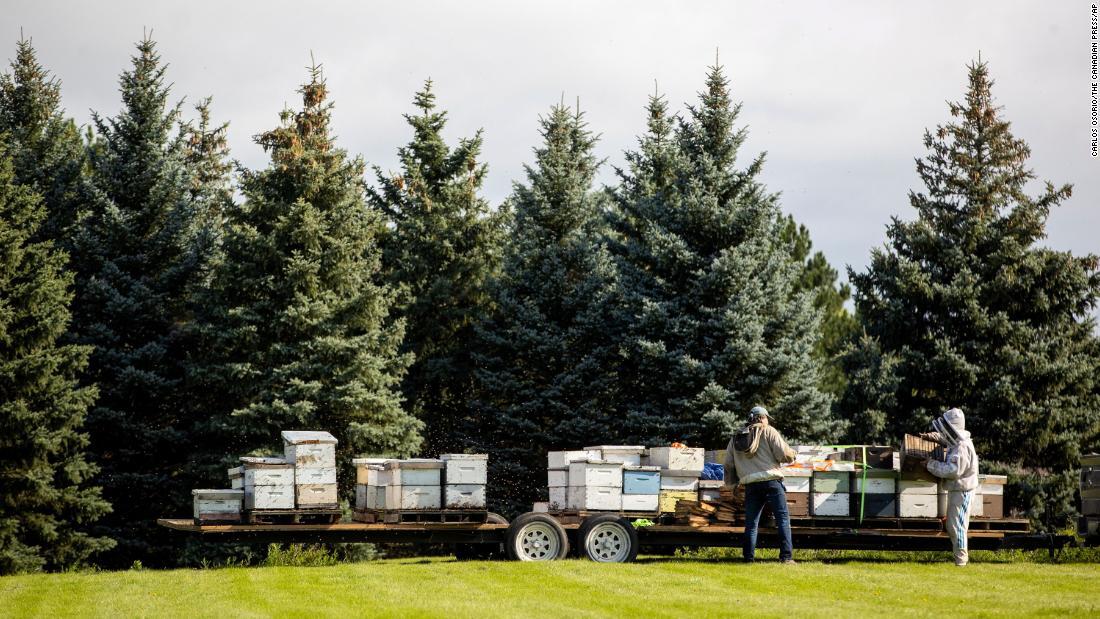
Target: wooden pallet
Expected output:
[293,516]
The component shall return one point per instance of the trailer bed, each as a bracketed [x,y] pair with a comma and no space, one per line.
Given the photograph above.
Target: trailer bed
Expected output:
[655,536]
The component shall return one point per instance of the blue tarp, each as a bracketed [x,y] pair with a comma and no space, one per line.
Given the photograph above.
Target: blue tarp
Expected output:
[713,470]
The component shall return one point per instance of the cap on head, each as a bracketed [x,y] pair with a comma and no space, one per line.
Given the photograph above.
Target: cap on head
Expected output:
[757,412]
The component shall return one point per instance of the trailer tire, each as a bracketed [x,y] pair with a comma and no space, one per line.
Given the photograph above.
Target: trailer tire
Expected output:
[536,537]
[482,552]
[607,538]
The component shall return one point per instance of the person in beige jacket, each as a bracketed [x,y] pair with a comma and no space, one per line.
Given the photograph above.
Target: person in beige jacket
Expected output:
[959,472]
[754,457]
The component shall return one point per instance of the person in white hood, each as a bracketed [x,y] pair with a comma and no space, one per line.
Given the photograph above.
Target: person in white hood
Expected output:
[959,470]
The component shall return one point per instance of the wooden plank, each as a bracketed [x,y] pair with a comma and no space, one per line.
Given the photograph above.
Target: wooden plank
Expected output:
[188,524]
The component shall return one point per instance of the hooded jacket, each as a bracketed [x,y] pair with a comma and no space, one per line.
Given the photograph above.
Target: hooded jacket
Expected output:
[768,451]
[960,468]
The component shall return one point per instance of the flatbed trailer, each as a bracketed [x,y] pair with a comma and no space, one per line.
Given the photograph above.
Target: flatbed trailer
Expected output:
[608,537]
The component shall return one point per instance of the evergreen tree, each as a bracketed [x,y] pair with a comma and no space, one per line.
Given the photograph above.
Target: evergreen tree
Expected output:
[838,326]
[964,308]
[207,156]
[45,496]
[443,245]
[138,255]
[548,353]
[296,333]
[715,323]
[46,148]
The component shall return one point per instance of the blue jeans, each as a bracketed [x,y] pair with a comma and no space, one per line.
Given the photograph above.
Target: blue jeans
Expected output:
[756,495]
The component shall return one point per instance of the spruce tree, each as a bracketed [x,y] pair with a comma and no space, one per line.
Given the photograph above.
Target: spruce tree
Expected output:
[45,494]
[46,148]
[442,246]
[715,324]
[296,333]
[964,307]
[548,354]
[838,326]
[138,255]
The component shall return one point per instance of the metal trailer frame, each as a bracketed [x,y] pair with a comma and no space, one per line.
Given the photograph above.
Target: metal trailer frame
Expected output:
[605,537]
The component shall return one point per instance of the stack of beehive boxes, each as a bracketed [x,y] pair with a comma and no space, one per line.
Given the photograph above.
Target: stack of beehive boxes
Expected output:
[454,481]
[268,482]
[1089,523]
[414,484]
[313,456]
[602,478]
[371,480]
[557,474]
[464,479]
[680,471]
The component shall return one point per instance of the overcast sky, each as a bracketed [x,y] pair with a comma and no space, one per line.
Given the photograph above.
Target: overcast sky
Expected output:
[838,94]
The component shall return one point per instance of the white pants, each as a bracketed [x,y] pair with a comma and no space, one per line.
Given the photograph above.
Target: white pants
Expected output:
[958,522]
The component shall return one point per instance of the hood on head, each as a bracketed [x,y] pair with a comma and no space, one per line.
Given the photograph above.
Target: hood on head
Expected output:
[952,426]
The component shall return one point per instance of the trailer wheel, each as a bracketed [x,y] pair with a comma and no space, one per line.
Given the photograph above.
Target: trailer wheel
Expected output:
[607,538]
[536,537]
[482,552]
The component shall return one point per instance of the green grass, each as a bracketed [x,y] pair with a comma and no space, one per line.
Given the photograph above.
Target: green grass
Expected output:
[653,587]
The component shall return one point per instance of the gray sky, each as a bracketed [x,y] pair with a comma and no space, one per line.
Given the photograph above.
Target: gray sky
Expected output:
[837,93]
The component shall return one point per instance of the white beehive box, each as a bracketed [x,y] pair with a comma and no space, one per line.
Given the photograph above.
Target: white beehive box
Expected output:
[217,504]
[315,476]
[540,507]
[626,454]
[465,468]
[562,459]
[557,478]
[831,504]
[605,474]
[410,497]
[309,449]
[641,502]
[677,480]
[595,498]
[236,478]
[269,497]
[910,487]
[316,495]
[796,479]
[677,458]
[874,483]
[370,497]
[414,472]
[464,496]
[269,476]
[917,505]
[362,465]
[992,484]
[559,498]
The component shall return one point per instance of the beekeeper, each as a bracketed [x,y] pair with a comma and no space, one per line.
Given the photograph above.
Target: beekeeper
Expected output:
[959,470]
[754,457]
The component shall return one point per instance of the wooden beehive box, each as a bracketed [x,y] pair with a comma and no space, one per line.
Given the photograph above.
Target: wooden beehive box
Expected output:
[595,498]
[464,496]
[915,450]
[415,472]
[562,459]
[217,505]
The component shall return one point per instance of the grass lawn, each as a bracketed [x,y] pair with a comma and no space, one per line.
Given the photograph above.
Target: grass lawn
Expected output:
[653,587]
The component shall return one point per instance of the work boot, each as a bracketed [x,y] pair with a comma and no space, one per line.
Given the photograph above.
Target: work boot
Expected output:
[789,562]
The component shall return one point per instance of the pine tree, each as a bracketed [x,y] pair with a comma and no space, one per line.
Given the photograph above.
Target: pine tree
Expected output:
[838,326]
[443,245]
[715,323]
[964,308]
[46,147]
[45,496]
[207,157]
[138,256]
[296,334]
[548,353]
